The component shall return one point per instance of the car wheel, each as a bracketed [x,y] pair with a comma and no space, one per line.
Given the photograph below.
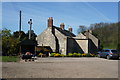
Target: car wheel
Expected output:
[108,57]
[99,56]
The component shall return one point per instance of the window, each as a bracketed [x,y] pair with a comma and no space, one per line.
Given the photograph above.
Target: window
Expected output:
[114,51]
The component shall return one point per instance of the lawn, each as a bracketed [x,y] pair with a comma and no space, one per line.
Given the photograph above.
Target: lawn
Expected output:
[9,59]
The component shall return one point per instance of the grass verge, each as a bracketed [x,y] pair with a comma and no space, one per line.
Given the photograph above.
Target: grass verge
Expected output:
[9,59]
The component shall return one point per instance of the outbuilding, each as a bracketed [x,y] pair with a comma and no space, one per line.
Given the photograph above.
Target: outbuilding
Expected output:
[28,45]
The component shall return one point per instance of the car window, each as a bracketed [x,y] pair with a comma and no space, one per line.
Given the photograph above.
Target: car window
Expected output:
[106,50]
[114,51]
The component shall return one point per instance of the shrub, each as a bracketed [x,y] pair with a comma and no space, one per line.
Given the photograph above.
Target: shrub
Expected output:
[83,55]
[40,54]
[70,55]
[57,55]
[52,54]
[79,54]
[90,55]
[75,55]
[62,55]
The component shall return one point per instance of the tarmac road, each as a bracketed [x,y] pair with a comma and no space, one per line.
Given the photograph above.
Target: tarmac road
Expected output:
[62,68]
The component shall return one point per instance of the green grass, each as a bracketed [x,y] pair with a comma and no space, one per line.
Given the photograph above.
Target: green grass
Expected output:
[9,59]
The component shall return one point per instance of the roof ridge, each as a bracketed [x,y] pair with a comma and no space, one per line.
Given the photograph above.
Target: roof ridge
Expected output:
[65,32]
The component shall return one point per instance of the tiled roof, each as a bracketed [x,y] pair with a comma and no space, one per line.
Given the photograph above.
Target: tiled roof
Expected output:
[28,42]
[65,32]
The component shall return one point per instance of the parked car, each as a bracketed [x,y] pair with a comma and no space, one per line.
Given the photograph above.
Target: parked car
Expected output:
[108,53]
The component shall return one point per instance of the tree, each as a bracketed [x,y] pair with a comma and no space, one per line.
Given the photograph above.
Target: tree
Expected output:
[33,35]
[82,29]
[107,33]
[5,41]
[10,45]
[6,33]
[21,35]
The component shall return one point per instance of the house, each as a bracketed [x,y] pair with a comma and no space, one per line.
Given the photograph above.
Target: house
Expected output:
[59,40]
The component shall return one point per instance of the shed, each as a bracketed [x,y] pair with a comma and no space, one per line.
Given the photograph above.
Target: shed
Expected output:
[28,46]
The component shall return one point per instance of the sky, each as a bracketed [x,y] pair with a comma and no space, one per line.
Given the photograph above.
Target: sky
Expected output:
[71,14]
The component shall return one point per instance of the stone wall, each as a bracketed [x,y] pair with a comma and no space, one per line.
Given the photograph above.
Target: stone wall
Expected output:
[73,46]
[92,47]
[94,44]
[46,38]
[94,39]
[81,36]
[83,44]
[62,41]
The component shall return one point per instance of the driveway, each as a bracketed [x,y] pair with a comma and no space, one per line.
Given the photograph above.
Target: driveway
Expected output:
[62,68]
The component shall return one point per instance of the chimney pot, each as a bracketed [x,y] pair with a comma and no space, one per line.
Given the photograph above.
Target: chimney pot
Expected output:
[70,29]
[62,26]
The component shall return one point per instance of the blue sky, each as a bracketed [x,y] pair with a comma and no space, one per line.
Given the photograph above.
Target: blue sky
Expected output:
[70,13]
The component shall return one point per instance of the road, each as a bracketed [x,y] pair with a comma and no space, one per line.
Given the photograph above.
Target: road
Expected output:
[62,68]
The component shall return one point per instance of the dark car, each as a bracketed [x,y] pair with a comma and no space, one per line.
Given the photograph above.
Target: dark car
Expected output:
[108,53]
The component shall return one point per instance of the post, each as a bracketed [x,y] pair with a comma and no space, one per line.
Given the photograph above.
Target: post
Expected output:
[30,22]
[20,22]
[20,25]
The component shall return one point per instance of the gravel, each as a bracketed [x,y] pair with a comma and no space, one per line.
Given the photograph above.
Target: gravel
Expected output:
[61,68]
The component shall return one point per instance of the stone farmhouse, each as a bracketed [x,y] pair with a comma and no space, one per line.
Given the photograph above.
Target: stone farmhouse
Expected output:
[57,39]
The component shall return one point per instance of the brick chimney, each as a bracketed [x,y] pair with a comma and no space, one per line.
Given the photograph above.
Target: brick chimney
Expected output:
[50,22]
[62,26]
[87,34]
[70,29]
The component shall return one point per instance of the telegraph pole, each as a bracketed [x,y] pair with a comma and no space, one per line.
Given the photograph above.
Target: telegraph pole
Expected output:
[20,22]
[20,30]
[30,22]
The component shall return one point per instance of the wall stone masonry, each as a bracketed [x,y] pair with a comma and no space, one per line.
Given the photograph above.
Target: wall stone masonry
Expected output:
[64,41]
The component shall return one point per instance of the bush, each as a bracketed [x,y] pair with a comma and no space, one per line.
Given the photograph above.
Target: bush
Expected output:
[90,55]
[55,55]
[40,54]
[62,55]
[84,55]
[70,55]
[79,54]
[52,54]
[75,55]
